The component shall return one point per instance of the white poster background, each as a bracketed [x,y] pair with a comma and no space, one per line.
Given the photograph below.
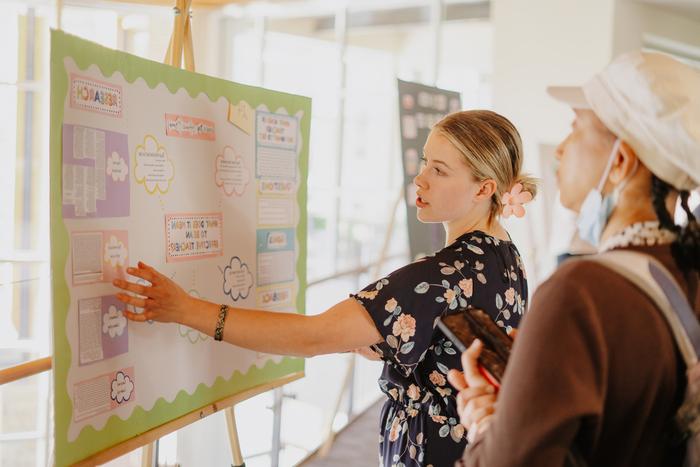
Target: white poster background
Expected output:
[185,365]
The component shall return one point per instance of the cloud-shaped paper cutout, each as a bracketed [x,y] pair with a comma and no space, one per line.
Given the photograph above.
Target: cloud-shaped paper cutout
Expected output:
[238,279]
[115,252]
[231,174]
[122,387]
[117,167]
[154,170]
[113,322]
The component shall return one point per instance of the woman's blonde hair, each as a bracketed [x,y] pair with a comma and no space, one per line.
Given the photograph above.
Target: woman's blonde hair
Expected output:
[491,148]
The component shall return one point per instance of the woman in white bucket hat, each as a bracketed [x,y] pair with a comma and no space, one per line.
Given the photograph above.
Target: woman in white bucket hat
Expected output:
[595,368]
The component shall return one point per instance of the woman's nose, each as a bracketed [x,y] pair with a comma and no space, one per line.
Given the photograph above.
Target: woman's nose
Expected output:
[559,151]
[418,180]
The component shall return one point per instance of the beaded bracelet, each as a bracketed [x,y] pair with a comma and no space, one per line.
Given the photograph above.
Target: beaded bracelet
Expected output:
[219,332]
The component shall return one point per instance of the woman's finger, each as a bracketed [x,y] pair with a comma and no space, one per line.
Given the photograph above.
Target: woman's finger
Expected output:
[476,428]
[142,273]
[132,287]
[456,379]
[471,366]
[478,402]
[473,407]
[131,300]
[470,393]
[130,315]
[481,413]
[153,271]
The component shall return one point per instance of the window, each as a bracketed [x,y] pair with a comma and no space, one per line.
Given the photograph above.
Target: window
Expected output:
[354,183]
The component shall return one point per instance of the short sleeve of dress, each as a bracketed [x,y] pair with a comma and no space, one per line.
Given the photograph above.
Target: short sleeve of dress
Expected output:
[405,305]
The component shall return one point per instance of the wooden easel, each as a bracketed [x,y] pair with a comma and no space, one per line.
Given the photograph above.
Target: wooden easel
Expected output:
[181,37]
[181,42]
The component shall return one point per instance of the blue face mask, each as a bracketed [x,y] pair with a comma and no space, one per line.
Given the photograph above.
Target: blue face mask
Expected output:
[596,208]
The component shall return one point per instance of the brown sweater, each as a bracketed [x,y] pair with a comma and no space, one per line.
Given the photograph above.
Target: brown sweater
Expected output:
[594,363]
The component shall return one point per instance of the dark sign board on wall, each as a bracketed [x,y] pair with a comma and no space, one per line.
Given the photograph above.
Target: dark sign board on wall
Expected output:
[420,107]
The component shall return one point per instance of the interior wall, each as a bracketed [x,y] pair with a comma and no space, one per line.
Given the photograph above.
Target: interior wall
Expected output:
[536,44]
[633,20]
[545,42]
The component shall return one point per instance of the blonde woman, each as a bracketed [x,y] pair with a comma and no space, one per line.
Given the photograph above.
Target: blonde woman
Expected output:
[472,166]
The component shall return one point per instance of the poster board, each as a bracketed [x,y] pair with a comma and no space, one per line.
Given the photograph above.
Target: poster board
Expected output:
[420,107]
[201,178]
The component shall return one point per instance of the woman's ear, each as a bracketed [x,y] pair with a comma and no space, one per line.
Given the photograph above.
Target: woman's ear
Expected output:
[625,163]
[486,189]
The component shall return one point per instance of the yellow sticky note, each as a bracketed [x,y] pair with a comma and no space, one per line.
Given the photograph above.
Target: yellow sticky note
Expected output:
[242,116]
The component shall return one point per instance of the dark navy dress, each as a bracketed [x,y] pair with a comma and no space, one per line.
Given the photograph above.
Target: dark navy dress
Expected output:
[419,423]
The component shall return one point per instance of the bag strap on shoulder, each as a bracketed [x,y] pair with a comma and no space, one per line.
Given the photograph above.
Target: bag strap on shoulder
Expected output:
[650,276]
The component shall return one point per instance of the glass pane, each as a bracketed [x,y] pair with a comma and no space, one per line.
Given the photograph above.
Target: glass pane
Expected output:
[31,165]
[19,406]
[304,66]
[20,453]
[8,148]
[25,421]
[97,25]
[8,36]
[322,154]
[320,234]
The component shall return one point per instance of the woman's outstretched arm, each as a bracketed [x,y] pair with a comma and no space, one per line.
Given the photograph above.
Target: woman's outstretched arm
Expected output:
[343,327]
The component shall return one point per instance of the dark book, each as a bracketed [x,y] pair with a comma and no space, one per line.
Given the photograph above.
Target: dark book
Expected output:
[463,326]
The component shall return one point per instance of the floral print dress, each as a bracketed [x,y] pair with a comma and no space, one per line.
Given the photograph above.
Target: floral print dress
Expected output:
[419,422]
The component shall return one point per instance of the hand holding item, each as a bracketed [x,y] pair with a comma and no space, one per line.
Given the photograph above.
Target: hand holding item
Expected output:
[476,400]
[162,300]
[467,324]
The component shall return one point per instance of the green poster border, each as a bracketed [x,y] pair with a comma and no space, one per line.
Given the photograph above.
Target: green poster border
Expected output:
[116,430]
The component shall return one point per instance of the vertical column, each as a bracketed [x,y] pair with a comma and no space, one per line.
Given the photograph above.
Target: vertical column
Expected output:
[436,13]
[341,30]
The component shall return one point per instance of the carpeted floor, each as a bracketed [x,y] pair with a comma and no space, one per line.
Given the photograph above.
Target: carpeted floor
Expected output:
[357,445]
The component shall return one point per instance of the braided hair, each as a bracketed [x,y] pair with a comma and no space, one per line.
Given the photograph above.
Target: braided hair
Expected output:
[686,247]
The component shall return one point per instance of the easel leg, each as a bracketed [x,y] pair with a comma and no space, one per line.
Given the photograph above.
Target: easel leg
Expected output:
[187,39]
[276,427]
[148,454]
[233,437]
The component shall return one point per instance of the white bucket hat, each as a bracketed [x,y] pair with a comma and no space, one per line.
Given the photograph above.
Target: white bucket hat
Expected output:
[652,102]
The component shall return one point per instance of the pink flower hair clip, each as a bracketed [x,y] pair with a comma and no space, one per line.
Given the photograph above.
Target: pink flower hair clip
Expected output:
[513,201]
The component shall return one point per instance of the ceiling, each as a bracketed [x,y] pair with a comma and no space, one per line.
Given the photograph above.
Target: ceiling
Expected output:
[195,3]
[688,8]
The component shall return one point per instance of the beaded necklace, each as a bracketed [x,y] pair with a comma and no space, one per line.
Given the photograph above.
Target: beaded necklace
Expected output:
[646,233]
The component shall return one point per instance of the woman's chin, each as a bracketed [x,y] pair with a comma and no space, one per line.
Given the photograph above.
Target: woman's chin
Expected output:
[423,217]
[571,205]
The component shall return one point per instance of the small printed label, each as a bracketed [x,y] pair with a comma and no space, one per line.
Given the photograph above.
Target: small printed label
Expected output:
[182,126]
[241,115]
[274,297]
[276,187]
[96,96]
[276,130]
[193,236]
